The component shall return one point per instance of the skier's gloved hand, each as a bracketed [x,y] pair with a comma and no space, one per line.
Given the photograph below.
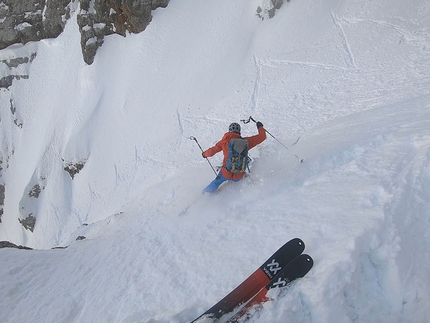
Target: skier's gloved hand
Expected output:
[259,124]
[203,154]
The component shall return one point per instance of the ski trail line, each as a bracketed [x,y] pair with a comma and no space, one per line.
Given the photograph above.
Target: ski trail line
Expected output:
[344,39]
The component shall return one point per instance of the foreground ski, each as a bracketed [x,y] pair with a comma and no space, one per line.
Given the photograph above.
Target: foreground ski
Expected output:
[256,281]
[297,268]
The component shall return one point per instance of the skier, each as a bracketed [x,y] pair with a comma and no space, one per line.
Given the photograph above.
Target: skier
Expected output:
[223,145]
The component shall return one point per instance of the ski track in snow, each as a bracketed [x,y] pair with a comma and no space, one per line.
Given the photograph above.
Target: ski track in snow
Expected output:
[351,79]
[344,39]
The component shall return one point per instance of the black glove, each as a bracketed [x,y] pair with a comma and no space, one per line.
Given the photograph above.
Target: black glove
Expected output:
[259,124]
[203,154]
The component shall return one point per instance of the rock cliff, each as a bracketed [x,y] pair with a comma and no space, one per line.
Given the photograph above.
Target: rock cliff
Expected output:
[32,20]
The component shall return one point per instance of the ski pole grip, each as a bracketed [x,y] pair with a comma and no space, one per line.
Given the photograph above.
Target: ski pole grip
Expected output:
[195,139]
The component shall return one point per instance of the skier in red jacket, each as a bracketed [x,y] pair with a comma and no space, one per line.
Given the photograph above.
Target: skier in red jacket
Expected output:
[222,145]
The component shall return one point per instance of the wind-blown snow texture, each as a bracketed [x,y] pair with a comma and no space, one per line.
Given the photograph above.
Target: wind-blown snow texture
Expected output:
[349,77]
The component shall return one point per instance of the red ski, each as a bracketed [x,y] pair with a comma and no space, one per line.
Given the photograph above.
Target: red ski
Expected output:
[297,268]
[256,281]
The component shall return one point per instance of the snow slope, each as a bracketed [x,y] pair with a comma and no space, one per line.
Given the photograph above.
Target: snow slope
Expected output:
[349,77]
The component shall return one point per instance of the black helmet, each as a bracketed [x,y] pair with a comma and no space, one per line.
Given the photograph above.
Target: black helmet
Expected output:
[234,127]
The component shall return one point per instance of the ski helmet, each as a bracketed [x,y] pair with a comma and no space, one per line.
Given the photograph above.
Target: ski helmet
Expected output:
[234,127]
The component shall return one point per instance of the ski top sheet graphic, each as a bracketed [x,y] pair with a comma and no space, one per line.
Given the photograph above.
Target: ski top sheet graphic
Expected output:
[256,281]
[297,268]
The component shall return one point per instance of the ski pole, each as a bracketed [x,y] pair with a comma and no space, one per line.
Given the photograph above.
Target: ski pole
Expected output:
[195,139]
[251,118]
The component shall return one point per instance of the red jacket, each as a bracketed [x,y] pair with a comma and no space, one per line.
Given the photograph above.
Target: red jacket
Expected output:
[222,145]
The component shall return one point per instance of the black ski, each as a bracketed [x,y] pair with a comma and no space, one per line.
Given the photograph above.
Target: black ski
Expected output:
[297,268]
[256,281]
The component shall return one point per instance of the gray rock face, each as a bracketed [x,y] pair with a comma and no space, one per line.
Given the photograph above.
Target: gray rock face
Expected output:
[14,68]
[32,20]
[74,168]
[8,244]
[1,200]
[100,18]
[269,10]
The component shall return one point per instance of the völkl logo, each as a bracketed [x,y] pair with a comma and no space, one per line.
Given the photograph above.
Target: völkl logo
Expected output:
[273,268]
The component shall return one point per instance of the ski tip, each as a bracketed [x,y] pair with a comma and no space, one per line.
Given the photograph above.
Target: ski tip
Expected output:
[309,260]
[298,241]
